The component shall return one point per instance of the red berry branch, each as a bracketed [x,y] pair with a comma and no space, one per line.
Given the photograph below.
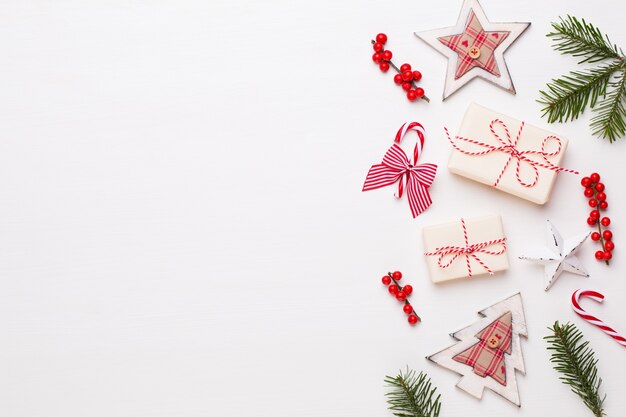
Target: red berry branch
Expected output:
[594,191]
[405,77]
[401,293]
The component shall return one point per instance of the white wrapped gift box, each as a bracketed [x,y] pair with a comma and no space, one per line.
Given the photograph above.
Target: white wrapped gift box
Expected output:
[453,251]
[489,168]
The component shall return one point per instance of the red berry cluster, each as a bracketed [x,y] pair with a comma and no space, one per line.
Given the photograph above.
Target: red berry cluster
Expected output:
[401,293]
[381,56]
[405,76]
[406,79]
[594,191]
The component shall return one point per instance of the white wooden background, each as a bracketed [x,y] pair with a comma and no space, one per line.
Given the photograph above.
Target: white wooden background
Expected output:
[182,231]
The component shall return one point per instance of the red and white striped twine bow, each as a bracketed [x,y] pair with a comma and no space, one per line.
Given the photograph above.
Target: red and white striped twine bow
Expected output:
[509,146]
[396,165]
[595,296]
[469,251]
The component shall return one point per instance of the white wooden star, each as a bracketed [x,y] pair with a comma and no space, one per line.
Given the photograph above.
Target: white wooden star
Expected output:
[475,48]
[559,256]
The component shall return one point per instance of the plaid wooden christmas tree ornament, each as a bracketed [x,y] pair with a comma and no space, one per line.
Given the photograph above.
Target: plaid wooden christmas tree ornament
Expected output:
[489,352]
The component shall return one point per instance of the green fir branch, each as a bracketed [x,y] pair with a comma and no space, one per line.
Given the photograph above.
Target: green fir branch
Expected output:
[567,97]
[610,120]
[604,86]
[575,360]
[579,38]
[412,395]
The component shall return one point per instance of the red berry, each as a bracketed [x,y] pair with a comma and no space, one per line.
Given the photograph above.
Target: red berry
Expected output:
[599,255]
[378,46]
[607,235]
[407,75]
[609,245]
[601,196]
[397,79]
[593,202]
[384,66]
[599,187]
[603,205]
[591,221]
[408,289]
[387,55]
[412,319]
[377,57]
[407,308]
[411,95]
[406,86]
[594,236]
[393,288]
[381,37]
[605,221]
[417,75]
[595,177]
[405,67]
[589,192]
[386,280]
[607,255]
[595,214]
[397,275]
[419,91]
[400,295]
[586,182]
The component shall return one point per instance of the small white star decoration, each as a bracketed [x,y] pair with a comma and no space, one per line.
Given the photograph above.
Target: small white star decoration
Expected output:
[475,48]
[559,256]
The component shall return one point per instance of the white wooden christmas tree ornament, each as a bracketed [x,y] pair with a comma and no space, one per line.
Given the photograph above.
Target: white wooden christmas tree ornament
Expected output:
[558,256]
[488,352]
[475,48]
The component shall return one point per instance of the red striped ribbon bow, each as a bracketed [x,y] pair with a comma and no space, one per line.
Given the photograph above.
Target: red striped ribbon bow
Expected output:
[396,165]
[468,251]
[508,145]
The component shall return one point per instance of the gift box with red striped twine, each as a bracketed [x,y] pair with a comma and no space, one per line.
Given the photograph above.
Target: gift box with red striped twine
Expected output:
[506,153]
[452,252]
[509,146]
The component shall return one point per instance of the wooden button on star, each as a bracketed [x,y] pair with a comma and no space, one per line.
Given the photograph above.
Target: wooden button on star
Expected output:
[474,52]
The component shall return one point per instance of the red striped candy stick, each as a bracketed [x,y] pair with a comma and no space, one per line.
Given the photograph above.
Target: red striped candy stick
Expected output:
[595,296]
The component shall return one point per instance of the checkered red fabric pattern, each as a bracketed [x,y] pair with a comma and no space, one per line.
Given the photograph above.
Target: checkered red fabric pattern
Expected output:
[485,359]
[475,37]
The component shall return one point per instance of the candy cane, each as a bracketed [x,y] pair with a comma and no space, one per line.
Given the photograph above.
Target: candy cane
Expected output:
[595,296]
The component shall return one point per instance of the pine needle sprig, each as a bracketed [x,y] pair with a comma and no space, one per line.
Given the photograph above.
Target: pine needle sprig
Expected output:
[412,395]
[610,119]
[579,38]
[576,361]
[601,88]
[567,97]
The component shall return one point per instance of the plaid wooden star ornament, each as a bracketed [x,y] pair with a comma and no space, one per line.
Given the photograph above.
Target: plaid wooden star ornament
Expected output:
[475,48]
[488,352]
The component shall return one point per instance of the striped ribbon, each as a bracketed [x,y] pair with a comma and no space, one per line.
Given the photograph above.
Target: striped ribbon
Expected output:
[469,251]
[510,146]
[595,296]
[396,165]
